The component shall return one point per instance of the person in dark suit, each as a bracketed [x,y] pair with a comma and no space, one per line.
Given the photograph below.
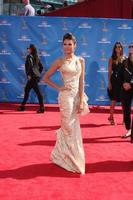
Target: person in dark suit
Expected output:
[132,132]
[33,69]
[126,75]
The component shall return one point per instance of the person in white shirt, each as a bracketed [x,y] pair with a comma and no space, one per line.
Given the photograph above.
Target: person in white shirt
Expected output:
[28,9]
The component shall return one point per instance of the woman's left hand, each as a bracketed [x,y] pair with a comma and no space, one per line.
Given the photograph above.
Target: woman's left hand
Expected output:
[127,86]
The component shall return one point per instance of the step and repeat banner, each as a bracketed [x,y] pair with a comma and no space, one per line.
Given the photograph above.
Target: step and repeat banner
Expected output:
[95,40]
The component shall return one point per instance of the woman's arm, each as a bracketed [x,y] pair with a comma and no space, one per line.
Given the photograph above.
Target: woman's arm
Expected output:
[40,66]
[28,67]
[109,73]
[81,80]
[54,67]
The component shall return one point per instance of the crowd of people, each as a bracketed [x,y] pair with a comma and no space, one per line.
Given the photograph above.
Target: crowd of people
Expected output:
[68,151]
[120,84]
[29,10]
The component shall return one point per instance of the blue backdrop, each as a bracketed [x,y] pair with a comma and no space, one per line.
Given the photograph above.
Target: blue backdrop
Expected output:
[95,39]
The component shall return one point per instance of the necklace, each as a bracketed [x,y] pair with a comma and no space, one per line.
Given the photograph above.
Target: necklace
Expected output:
[69,59]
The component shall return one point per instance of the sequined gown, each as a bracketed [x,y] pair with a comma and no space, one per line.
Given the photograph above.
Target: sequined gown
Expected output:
[68,151]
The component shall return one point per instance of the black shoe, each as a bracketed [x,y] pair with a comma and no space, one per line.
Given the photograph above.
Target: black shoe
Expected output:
[111,120]
[41,110]
[21,108]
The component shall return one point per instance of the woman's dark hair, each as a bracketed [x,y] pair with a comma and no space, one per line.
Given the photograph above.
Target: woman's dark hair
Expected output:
[114,56]
[34,52]
[69,36]
[130,46]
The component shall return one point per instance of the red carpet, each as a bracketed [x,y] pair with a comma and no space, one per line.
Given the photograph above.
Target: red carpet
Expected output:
[26,141]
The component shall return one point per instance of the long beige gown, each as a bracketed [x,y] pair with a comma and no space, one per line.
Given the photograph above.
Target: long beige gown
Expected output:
[68,151]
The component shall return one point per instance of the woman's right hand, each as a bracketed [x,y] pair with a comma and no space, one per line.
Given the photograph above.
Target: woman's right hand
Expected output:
[63,88]
[109,86]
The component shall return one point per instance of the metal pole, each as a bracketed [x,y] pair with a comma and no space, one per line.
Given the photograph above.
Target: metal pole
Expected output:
[9,1]
[1,7]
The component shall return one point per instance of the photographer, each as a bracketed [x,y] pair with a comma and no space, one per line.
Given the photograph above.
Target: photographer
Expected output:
[33,68]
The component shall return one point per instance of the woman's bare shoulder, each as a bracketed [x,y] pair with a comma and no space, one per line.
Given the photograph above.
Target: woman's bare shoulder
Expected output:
[81,59]
[110,61]
[59,61]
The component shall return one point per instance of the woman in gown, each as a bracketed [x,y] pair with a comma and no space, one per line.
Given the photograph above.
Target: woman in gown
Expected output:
[68,151]
[114,82]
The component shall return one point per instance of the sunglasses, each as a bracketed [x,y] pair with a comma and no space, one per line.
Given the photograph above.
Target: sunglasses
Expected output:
[131,46]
